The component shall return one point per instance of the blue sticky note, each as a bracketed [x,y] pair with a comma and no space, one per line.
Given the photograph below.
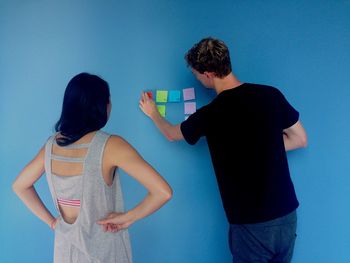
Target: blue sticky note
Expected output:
[174,96]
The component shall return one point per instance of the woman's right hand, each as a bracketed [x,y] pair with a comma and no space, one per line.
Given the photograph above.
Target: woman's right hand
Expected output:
[53,223]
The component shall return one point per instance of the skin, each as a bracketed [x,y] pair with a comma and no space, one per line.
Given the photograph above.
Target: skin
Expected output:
[118,153]
[294,137]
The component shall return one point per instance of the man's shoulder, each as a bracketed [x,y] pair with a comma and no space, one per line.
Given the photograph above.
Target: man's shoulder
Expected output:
[264,90]
[263,87]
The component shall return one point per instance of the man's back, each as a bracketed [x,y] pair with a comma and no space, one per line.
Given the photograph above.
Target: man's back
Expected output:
[244,129]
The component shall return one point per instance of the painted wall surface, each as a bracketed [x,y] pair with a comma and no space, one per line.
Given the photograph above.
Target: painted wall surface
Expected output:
[301,47]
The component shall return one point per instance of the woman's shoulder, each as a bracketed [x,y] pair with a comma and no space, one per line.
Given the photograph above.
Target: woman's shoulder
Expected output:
[117,149]
[114,138]
[116,141]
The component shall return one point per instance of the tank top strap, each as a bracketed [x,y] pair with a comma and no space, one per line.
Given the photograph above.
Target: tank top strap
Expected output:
[67,159]
[95,151]
[74,146]
[48,153]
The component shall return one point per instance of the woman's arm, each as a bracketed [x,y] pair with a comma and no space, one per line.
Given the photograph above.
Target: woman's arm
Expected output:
[127,158]
[23,186]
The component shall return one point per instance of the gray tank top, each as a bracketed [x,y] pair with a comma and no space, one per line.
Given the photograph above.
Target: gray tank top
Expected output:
[84,240]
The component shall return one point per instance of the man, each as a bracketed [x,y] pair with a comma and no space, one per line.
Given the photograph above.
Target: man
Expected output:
[249,128]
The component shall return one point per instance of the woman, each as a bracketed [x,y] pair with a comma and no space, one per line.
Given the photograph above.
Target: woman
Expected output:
[81,162]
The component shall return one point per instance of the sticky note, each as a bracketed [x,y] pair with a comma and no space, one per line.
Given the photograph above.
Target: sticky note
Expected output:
[189,94]
[161,109]
[162,96]
[174,95]
[190,107]
[149,94]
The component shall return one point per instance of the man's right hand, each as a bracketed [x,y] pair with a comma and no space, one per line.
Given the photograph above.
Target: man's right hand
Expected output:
[171,132]
[148,106]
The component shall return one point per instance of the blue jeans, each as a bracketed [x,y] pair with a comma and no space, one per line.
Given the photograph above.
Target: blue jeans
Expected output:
[266,242]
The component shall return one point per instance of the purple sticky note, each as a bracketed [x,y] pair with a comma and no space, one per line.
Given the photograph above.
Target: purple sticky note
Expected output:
[188,94]
[190,107]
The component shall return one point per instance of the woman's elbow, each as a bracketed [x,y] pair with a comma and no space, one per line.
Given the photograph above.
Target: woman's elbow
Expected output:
[167,194]
[18,187]
[15,187]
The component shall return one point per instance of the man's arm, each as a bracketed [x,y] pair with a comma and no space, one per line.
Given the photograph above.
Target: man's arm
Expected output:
[294,137]
[171,132]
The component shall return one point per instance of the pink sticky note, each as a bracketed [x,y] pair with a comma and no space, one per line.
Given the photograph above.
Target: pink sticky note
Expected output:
[188,94]
[190,107]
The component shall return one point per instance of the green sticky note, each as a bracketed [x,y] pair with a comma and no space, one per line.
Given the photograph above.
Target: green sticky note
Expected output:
[162,96]
[161,109]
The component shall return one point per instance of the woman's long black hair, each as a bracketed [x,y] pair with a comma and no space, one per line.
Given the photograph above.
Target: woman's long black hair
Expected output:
[84,108]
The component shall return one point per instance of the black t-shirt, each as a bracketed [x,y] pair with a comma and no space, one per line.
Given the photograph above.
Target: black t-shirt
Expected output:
[244,130]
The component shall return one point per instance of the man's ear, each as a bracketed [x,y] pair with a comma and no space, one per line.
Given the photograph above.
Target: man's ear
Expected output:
[209,75]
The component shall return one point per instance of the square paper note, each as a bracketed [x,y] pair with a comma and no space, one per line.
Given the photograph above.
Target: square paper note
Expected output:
[174,95]
[161,109]
[162,96]
[189,94]
[190,107]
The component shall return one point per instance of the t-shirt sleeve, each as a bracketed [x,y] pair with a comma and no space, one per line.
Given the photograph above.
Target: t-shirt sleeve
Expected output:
[289,115]
[194,127]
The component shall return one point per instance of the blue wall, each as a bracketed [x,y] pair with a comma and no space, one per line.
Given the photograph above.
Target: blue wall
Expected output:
[302,47]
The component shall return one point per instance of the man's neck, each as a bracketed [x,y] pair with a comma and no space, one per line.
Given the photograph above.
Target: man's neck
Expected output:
[225,83]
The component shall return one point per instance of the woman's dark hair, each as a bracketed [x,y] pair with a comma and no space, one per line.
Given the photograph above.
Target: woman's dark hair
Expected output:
[84,108]
[210,55]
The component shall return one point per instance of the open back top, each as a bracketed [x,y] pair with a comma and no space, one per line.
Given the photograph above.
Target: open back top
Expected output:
[78,176]
[68,186]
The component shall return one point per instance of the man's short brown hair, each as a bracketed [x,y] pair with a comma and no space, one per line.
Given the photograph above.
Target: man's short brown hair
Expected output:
[211,55]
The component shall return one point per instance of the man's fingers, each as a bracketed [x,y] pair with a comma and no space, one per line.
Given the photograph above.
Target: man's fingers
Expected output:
[144,96]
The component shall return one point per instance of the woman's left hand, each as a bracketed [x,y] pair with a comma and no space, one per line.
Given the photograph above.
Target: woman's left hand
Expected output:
[115,222]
